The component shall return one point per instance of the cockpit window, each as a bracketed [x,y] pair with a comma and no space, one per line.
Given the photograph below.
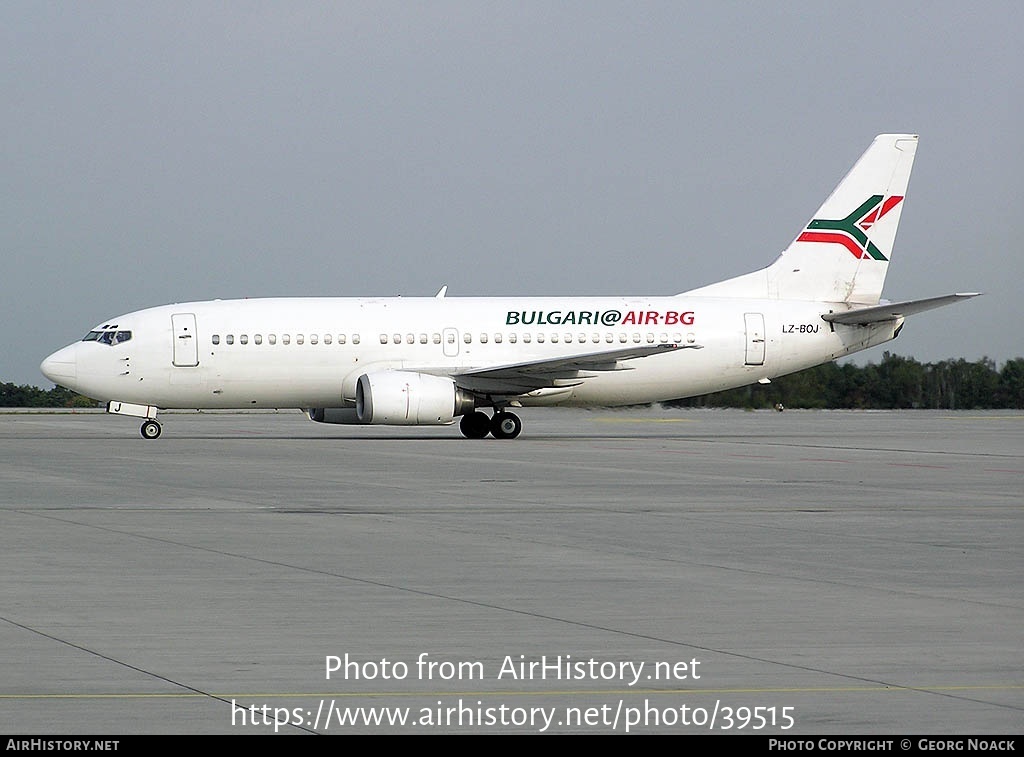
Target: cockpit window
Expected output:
[107,336]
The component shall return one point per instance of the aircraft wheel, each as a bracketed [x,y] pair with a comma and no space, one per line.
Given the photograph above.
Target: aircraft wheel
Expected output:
[475,425]
[151,430]
[505,425]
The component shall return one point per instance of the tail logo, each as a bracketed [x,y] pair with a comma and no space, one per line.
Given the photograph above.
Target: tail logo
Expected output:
[851,232]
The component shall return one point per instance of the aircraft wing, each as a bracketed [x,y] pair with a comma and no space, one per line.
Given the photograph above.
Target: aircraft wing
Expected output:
[519,378]
[890,311]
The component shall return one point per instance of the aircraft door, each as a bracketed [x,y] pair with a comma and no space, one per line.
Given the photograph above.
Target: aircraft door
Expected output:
[755,338]
[186,342]
[450,342]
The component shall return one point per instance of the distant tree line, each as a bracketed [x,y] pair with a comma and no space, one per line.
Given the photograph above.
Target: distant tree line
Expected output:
[32,396]
[896,382]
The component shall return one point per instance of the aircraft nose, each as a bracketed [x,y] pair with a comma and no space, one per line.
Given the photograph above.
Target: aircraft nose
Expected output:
[62,365]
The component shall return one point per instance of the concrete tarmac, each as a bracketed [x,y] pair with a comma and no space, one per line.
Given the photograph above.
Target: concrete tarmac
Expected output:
[643,571]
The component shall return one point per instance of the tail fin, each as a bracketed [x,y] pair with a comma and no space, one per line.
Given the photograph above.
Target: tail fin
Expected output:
[842,254]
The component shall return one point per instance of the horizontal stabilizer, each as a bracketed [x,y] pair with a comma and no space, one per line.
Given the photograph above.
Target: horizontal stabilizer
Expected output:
[892,310]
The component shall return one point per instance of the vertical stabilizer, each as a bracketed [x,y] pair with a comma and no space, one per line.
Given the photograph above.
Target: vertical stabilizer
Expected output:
[842,254]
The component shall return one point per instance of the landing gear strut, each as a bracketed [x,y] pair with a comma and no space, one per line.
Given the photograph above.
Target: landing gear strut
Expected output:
[503,425]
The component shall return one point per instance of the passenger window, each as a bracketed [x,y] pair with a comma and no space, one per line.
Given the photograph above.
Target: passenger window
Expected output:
[243,339]
[437,339]
[540,339]
[215,338]
[636,338]
[410,339]
[286,339]
[230,339]
[313,338]
[355,339]
[512,338]
[423,338]
[327,338]
[483,339]
[341,338]
[527,338]
[467,338]
[396,338]
[497,338]
[272,338]
[299,339]
[383,338]
[554,339]
[622,338]
[258,339]
[650,338]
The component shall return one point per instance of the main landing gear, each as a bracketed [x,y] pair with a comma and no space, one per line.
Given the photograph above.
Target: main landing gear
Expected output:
[502,425]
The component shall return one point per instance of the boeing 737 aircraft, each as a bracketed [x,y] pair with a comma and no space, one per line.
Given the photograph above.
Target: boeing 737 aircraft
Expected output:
[429,360]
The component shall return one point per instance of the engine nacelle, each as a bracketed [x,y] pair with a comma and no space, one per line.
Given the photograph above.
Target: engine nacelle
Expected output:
[341,415]
[403,398]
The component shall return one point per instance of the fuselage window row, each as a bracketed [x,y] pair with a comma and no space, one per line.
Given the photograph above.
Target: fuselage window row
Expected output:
[397,338]
[215,339]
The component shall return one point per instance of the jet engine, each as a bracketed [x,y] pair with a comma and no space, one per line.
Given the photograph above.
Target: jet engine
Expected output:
[404,398]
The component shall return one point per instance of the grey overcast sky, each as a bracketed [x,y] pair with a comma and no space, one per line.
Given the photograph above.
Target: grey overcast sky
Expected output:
[160,152]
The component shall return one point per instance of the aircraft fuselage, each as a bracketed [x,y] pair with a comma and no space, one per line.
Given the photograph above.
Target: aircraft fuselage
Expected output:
[310,352]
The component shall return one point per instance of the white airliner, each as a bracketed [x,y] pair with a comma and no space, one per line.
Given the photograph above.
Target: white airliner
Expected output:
[429,360]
